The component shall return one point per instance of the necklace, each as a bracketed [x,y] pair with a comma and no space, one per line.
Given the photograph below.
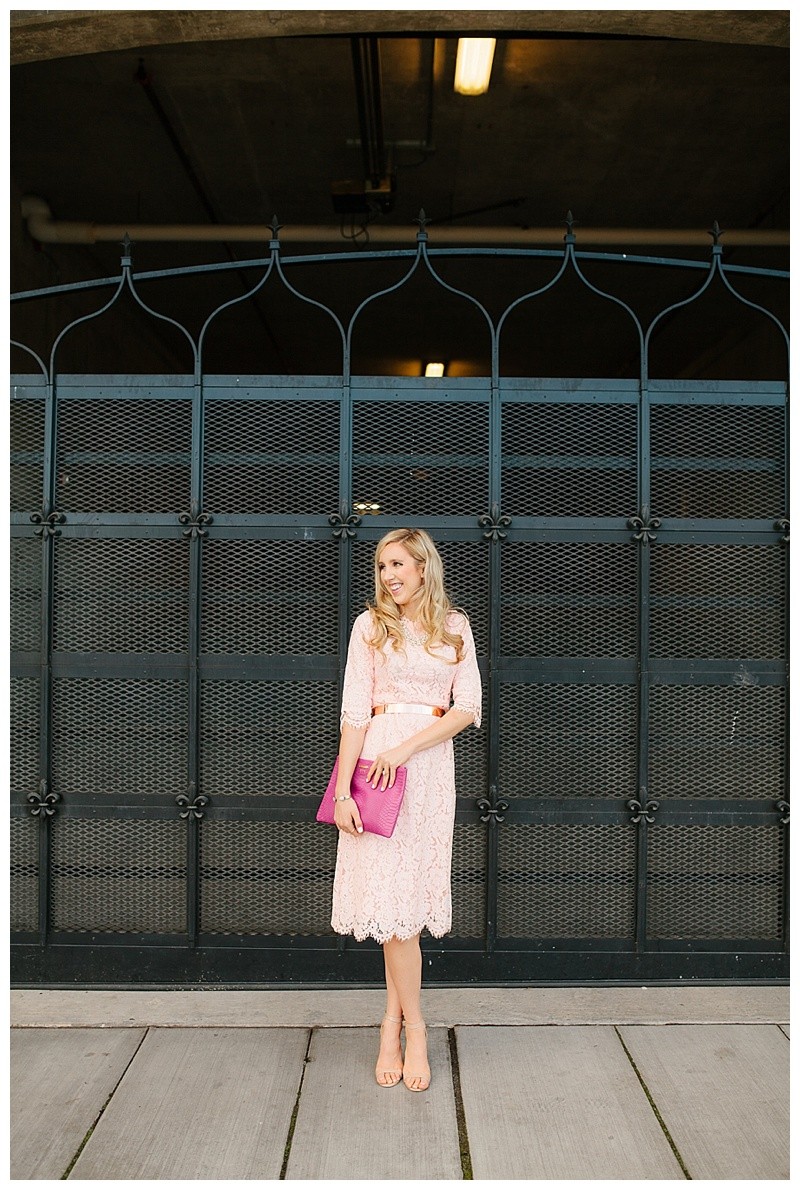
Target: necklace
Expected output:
[415,635]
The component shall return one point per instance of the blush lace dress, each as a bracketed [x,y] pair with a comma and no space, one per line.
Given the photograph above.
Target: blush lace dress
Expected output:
[395,887]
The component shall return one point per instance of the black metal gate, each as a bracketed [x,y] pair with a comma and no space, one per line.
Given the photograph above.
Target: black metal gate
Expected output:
[188,553]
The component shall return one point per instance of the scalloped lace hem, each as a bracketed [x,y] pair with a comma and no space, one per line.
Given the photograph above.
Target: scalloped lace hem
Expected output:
[352,721]
[404,932]
[469,709]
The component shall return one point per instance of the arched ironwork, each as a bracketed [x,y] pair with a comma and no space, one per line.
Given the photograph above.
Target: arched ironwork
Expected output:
[617,816]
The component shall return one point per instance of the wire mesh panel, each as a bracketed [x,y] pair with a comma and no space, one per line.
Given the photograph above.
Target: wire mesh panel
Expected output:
[24,726]
[418,459]
[121,595]
[466,570]
[569,599]
[273,597]
[25,565]
[118,736]
[567,741]
[273,877]
[468,880]
[718,600]
[262,737]
[23,887]
[725,742]
[718,461]
[565,880]
[118,875]
[714,881]
[569,459]
[120,455]
[26,433]
[271,456]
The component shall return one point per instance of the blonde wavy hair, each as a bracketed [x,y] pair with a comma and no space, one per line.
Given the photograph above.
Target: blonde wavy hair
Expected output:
[434,604]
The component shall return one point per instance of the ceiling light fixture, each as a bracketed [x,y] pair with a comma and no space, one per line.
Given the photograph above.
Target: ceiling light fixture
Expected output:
[434,369]
[474,64]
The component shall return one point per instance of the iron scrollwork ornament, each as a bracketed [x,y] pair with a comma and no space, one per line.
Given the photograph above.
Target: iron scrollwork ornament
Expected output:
[494,523]
[193,804]
[43,803]
[783,527]
[783,809]
[196,523]
[493,811]
[344,523]
[644,808]
[645,526]
[47,522]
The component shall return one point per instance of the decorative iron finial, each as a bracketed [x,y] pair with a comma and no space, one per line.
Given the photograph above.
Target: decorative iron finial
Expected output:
[126,250]
[276,227]
[715,233]
[423,221]
[569,223]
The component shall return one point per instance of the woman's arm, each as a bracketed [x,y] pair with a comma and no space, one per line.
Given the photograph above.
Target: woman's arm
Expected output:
[345,814]
[384,767]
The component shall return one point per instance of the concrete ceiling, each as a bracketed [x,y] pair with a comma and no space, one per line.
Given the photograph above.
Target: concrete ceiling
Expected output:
[631,120]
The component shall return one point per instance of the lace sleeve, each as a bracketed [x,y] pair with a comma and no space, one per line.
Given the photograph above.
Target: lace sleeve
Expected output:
[467,691]
[358,676]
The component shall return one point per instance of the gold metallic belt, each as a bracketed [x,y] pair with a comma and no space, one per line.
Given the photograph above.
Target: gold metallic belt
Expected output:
[407,708]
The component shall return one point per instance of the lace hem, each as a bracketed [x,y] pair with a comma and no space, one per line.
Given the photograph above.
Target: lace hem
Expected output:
[353,721]
[402,933]
[469,709]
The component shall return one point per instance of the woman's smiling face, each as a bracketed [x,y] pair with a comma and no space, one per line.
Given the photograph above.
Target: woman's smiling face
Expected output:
[400,574]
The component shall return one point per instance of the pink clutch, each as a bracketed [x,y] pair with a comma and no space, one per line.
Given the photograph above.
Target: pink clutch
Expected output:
[378,808]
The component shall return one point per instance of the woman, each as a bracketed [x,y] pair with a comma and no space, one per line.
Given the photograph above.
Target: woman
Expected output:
[409,653]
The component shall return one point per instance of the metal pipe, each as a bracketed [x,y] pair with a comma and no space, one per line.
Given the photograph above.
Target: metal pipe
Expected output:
[46,230]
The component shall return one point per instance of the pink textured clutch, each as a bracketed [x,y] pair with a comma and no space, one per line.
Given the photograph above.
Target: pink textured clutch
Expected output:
[378,807]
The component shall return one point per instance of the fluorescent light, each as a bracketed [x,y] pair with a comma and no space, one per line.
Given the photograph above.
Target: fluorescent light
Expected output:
[434,369]
[474,64]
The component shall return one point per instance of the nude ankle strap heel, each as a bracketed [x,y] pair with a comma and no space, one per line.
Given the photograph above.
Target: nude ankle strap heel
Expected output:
[424,1076]
[394,1075]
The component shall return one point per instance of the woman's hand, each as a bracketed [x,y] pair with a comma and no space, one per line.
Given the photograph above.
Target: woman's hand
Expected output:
[347,817]
[383,769]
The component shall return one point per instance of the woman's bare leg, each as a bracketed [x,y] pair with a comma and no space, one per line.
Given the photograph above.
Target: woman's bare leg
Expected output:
[403,959]
[390,1056]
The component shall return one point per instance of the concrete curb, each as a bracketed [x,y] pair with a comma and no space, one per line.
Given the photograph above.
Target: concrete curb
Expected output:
[342,1008]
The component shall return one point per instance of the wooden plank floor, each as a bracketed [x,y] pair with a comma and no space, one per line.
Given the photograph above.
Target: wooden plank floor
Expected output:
[200,1103]
[350,1128]
[61,1080]
[723,1093]
[558,1103]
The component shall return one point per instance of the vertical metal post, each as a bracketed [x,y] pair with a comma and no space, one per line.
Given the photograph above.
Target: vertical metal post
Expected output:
[195,534]
[783,527]
[343,529]
[495,563]
[48,532]
[644,534]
